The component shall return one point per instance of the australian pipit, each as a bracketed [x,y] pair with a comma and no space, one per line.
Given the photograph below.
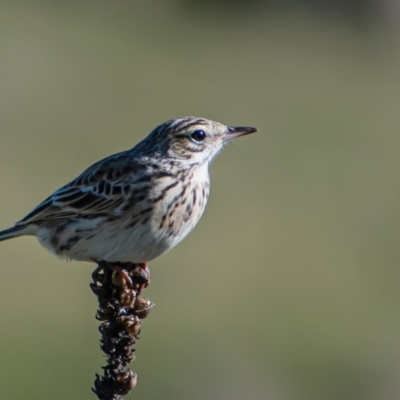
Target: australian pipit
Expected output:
[135,205]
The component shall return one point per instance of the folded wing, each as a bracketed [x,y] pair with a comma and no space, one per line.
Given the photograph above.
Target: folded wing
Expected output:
[101,189]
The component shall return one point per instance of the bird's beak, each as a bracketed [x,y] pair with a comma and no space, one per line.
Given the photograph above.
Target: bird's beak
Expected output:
[236,131]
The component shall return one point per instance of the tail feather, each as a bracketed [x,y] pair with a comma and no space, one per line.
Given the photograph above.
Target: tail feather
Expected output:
[10,233]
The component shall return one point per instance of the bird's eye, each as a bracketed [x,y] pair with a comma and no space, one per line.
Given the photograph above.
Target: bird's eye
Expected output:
[198,135]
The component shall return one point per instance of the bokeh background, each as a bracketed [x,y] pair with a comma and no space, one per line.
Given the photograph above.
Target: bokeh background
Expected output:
[289,287]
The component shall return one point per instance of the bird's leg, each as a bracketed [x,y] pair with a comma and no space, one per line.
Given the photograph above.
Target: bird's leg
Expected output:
[101,279]
[133,276]
[96,274]
[117,269]
[144,266]
[123,274]
[120,276]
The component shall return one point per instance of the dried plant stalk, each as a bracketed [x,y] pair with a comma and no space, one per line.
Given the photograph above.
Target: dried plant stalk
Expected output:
[121,312]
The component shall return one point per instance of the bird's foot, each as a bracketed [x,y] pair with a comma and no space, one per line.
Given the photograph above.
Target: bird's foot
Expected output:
[99,274]
[132,276]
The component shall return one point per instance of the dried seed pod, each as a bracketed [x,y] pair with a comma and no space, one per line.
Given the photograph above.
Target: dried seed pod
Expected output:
[140,275]
[118,280]
[125,381]
[143,307]
[132,325]
[127,297]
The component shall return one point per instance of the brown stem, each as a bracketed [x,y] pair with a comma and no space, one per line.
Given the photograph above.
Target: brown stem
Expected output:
[121,312]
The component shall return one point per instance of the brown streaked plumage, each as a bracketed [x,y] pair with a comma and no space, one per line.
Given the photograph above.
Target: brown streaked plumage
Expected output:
[134,205]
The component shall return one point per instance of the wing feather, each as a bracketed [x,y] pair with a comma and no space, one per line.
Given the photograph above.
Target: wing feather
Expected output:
[101,189]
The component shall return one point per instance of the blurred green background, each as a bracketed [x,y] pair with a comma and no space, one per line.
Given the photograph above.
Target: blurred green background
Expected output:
[289,287]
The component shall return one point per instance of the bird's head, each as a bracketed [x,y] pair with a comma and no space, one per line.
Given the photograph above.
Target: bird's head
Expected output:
[196,140]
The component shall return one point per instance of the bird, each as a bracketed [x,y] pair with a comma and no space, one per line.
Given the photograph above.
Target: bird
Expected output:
[135,205]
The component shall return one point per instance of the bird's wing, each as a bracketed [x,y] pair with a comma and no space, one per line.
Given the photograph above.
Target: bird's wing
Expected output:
[101,189]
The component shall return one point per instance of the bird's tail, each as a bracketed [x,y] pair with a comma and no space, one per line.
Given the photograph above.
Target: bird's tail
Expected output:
[10,233]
